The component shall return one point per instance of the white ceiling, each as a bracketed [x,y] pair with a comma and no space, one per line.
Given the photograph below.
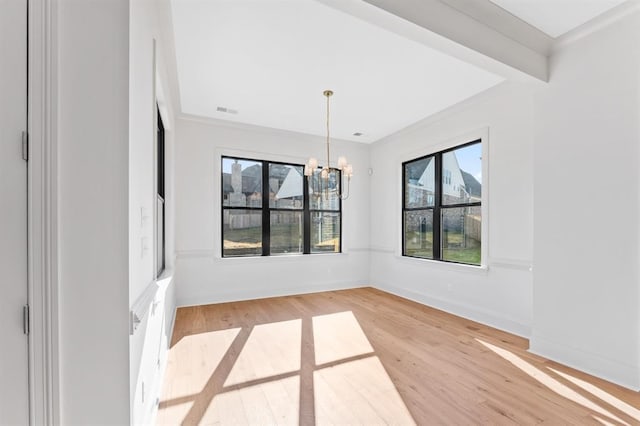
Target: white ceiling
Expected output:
[271,60]
[556,17]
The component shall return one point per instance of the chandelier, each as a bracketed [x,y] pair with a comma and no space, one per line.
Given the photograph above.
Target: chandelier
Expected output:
[328,181]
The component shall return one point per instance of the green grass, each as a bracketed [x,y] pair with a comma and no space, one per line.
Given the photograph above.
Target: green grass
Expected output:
[244,235]
[469,255]
[285,238]
[419,245]
[454,252]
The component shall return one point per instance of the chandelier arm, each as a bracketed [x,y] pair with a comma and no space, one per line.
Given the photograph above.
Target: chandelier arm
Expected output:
[342,194]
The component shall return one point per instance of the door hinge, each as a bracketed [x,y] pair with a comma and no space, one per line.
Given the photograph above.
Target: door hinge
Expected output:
[25,319]
[25,146]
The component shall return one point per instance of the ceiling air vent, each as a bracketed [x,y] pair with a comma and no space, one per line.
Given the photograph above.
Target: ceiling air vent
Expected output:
[227,110]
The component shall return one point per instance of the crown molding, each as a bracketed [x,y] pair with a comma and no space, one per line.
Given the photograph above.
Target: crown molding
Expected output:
[600,22]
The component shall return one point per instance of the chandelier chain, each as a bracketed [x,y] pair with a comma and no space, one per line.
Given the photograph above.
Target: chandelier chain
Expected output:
[328,94]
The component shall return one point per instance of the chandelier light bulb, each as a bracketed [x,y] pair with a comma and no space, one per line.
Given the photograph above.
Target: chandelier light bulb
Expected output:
[342,162]
[348,170]
[313,163]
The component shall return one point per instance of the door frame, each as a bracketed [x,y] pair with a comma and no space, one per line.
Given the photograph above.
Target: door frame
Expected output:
[42,220]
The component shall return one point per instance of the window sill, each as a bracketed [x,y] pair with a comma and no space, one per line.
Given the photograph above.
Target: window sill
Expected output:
[212,255]
[447,266]
[281,257]
[165,277]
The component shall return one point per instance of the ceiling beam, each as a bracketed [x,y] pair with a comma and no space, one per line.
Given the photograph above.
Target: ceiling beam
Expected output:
[444,27]
[492,15]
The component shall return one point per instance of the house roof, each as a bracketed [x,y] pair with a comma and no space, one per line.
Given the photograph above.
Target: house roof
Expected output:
[473,187]
[252,178]
[416,169]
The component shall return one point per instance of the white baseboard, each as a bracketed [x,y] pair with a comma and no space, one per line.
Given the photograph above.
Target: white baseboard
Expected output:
[237,296]
[483,316]
[607,369]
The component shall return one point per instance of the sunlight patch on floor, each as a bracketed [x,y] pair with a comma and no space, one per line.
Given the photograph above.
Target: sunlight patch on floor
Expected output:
[358,392]
[264,384]
[194,358]
[549,381]
[603,421]
[271,349]
[605,396]
[272,403]
[338,336]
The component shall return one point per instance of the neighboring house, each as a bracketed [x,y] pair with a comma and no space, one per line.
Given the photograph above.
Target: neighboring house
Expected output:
[285,192]
[285,186]
[472,186]
[457,185]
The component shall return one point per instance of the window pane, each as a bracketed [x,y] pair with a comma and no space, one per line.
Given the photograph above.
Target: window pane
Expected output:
[285,186]
[419,183]
[418,233]
[461,234]
[323,193]
[462,175]
[325,232]
[242,233]
[286,232]
[241,183]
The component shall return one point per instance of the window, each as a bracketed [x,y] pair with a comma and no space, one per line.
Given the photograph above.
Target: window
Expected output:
[160,198]
[325,216]
[266,210]
[441,208]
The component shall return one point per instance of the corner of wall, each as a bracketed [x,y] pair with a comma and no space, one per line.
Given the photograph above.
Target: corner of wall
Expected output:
[484,316]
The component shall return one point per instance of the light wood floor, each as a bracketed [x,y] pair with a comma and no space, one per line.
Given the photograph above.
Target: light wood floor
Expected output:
[367,357]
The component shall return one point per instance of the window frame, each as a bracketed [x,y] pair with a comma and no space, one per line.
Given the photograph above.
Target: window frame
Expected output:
[438,205]
[266,210]
[160,196]
[311,210]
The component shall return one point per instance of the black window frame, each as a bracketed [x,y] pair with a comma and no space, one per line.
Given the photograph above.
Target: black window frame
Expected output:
[160,195]
[438,205]
[266,210]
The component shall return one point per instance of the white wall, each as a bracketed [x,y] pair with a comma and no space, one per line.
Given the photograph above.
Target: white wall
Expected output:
[148,76]
[92,118]
[501,294]
[202,276]
[586,296]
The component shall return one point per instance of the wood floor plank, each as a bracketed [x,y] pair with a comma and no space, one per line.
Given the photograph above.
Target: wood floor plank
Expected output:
[388,357]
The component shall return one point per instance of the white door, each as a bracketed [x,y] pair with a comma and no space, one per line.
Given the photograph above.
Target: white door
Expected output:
[14,388]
